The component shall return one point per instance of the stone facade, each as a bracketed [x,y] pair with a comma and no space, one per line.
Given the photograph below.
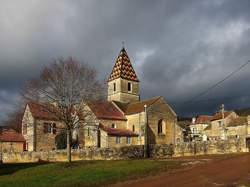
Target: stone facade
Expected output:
[160,115]
[7,147]
[39,134]
[231,145]
[118,90]
[92,153]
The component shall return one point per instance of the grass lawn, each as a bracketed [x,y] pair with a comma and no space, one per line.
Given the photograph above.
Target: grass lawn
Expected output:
[82,173]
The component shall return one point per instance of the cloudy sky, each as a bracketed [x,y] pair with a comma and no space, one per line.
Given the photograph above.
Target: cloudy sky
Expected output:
[179,48]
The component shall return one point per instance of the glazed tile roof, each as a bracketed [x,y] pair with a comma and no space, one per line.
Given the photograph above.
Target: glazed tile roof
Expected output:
[10,135]
[136,107]
[117,132]
[106,110]
[42,111]
[123,68]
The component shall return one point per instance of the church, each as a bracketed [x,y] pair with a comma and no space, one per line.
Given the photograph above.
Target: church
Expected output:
[118,121]
[122,118]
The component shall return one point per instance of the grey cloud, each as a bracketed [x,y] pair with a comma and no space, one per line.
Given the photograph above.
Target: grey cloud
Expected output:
[188,45]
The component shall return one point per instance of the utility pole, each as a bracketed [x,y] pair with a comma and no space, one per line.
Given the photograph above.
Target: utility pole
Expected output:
[145,132]
[223,123]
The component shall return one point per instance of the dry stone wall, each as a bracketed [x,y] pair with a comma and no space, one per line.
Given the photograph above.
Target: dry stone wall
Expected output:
[131,152]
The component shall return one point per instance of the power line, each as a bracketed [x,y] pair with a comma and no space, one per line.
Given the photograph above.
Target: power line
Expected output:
[218,83]
[209,100]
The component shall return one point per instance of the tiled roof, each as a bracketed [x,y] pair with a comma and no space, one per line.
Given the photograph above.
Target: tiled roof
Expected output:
[136,107]
[117,132]
[218,115]
[10,135]
[238,122]
[123,68]
[106,110]
[42,111]
[203,119]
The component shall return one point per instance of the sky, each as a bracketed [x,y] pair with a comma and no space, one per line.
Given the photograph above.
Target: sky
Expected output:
[178,48]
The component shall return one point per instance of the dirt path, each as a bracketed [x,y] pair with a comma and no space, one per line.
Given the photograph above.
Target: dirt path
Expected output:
[228,172]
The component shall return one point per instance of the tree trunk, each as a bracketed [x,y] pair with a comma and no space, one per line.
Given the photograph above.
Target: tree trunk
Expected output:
[69,145]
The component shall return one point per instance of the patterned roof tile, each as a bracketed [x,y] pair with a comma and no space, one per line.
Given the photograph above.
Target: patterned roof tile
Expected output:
[123,68]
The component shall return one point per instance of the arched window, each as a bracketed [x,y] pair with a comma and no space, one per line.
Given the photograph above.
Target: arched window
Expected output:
[161,127]
[133,128]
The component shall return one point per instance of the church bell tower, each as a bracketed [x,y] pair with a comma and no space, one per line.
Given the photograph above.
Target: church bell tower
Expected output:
[123,84]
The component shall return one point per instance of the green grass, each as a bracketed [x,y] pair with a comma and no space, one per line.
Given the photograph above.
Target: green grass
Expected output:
[82,173]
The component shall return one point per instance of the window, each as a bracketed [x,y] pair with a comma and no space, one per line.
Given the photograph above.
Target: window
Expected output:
[88,131]
[220,123]
[161,127]
[114,86]
[128,140]
[49,128]
[24,128]
[118,140]
[113,126]
[129,86]
[133,128]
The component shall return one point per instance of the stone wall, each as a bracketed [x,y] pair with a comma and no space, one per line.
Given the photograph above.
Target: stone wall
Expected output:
[161,151]
[210,147]
[129,152]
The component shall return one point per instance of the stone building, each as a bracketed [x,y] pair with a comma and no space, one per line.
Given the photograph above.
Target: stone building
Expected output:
[11,141]
[123,113]
[217,130]
[118,121]
[198,125]
[39,127]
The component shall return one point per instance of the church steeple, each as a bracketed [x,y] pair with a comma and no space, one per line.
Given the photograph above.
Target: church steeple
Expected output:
[123,68]
[123,84]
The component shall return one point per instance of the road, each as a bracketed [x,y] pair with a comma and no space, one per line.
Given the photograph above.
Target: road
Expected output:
[229,172]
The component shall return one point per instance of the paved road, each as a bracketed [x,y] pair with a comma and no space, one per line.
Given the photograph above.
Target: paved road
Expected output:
[227,172]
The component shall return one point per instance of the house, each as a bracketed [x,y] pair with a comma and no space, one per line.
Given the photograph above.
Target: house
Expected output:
[40,127]
[11,141]
[198,125]
[118,121]
[217,130]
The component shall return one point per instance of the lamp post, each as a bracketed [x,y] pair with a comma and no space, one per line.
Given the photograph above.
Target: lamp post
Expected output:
[145,132]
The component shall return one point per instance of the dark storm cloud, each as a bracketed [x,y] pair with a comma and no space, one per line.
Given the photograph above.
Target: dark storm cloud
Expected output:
[178,48]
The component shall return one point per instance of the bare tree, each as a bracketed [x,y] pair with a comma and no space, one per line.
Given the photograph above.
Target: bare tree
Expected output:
[66,86]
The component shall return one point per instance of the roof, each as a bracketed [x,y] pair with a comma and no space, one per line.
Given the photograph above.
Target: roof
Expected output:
[209,127]
[218,115]
[117,132]
[42,111]
[243,112]
[123,68]
[238,122]
[137,106]
[10,135]
[106,110]
[203,119]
